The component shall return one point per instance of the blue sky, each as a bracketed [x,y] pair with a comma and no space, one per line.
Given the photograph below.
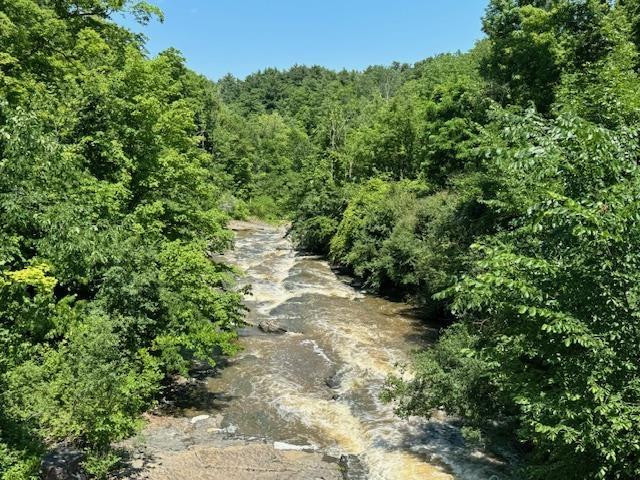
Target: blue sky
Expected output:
[242,36]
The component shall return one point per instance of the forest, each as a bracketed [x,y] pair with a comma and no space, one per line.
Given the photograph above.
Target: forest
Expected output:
[498,189]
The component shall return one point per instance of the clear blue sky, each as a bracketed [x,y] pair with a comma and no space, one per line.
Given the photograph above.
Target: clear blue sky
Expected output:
[242,36]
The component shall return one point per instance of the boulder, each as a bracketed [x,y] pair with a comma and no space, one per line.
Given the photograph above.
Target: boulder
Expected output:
[199,418]
[333,381]
[269,326]
[353,468]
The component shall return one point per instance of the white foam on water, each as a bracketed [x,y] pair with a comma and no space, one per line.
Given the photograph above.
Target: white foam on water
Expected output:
[268,289]
[361,350]
[337,422]
[316,348]
[270,272]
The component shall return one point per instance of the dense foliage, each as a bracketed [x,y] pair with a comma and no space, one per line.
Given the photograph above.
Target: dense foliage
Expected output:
[109,204]
[498,188]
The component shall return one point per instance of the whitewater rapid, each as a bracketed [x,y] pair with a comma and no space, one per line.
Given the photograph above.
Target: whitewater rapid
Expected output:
[318,385]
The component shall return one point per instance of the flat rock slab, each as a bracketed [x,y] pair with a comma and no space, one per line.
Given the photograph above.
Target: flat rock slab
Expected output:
[241,462]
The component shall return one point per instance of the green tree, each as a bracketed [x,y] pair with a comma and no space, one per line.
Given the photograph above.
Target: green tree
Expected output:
[109,206]
[549,321]
[534,42]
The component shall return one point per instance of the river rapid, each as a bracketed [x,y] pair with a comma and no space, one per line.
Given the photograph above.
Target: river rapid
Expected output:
[317,386]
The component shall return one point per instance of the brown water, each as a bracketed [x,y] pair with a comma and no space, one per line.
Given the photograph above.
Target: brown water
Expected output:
[318,384]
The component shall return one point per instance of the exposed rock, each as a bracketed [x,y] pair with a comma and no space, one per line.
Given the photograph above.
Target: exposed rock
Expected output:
[55,473]
[250,225]
[269,326]
[439,415]
[289,446]
[174,450]
[199,418]
[63,464]
[200,366]
[333,381]
[179,380]
[242,462]
[217,420]
[231,429]
[353,468]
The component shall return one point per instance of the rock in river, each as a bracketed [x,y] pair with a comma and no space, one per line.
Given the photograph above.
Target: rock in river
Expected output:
[269,326]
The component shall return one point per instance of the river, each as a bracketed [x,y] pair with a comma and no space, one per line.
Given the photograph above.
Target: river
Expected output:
[317,385]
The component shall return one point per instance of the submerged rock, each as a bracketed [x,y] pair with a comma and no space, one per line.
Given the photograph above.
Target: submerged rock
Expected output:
[353,468]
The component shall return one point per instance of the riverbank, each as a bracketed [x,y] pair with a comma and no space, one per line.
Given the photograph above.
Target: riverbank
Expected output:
[197,448]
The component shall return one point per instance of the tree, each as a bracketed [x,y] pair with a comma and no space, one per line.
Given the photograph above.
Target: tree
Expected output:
[534,42]
[549,329]
[109,206]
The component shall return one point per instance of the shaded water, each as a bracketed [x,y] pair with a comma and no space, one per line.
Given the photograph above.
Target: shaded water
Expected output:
[319,383]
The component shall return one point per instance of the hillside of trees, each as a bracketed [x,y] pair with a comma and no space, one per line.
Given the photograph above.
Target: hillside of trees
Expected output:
[499,189]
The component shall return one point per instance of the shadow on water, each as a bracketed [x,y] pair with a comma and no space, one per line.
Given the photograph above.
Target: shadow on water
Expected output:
[436,440]
[182,395]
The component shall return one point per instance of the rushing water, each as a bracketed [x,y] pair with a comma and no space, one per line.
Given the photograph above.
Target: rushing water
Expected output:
[319,384]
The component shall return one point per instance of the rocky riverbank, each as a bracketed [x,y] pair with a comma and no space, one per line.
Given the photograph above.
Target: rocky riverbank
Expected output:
[198,448]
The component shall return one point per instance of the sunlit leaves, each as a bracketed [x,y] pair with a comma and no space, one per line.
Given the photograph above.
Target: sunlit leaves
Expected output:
[109,207]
